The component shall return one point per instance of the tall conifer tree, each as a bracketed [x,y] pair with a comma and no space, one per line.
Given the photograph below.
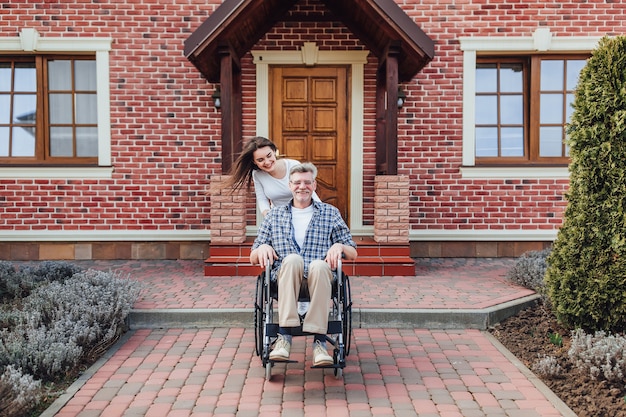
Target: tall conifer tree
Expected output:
[586,275]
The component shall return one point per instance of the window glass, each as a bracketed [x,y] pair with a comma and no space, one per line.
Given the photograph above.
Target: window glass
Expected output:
[552,75]
[23,142]
[60,75]
[86,109]
[24,108]
[486,141]
[4,141]
[5,108]
[574,66]
[5,76]
[512,141]
[85,75]
[550,141]
[512,109]
[25,77]
[511,78]
[60,108]
[486,110]
[551,108]
[486,78]
[61,141]
[86,141]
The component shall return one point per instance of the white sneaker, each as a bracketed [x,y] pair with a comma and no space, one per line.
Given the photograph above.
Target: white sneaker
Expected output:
[281,350]
[321,356]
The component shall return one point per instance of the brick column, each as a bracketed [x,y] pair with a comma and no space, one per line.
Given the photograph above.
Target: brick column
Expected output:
[228,213]
[391,209]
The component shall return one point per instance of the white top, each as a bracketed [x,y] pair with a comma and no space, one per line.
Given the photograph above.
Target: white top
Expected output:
[301,219]
[274,192]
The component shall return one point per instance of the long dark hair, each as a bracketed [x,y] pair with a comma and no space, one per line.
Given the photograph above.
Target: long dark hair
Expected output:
[241,172]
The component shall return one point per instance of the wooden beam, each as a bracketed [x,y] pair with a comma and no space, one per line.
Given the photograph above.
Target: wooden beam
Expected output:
[391,119]
[387,112]
[381,125]
[231,108]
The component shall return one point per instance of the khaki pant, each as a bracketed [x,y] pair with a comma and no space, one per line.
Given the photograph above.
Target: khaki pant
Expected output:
[320,287]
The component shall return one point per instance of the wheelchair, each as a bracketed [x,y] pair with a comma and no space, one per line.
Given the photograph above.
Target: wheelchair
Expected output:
[339,323]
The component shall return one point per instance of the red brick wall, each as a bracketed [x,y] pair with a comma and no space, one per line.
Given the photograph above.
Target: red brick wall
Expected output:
[165,130]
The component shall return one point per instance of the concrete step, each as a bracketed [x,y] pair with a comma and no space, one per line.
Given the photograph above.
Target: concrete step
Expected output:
[361,317]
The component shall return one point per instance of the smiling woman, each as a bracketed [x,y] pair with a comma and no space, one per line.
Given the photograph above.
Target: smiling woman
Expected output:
[258,163]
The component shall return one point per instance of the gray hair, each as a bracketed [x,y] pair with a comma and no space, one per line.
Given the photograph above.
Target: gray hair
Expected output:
[302,168]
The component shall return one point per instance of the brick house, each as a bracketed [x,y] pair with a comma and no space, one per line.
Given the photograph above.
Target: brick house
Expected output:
[438,125]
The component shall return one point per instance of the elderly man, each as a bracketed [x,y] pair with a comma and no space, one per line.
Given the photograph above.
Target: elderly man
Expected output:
[303,241]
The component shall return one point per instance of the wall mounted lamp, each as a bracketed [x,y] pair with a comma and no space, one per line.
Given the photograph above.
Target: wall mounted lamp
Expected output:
[401,97]
[217,98]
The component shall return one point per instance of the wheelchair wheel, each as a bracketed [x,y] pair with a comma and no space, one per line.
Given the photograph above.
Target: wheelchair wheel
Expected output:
[347,314]
[258,316]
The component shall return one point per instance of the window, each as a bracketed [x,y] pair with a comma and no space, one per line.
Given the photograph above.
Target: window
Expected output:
[511,137]
[54,106]
[522,107]
[48,110]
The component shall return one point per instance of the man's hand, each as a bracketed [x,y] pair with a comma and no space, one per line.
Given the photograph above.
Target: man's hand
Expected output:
[262,255]
[333,255]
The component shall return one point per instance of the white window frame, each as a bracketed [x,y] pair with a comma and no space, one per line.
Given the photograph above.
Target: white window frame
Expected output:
[541,41]
[29,41]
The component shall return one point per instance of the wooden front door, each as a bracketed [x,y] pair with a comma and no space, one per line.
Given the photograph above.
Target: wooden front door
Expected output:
[309,122]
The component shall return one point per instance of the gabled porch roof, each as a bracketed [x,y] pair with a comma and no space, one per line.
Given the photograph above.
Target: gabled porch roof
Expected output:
[239,24]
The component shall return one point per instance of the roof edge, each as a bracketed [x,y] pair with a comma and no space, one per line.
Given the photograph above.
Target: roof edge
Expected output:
[213,24]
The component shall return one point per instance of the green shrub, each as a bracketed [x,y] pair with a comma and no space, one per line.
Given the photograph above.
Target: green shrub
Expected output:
[586,275]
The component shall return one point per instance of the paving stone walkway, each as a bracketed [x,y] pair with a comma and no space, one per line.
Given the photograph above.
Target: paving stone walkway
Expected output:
[391,371]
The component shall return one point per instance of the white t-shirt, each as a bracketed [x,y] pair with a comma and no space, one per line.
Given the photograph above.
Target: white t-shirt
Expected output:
[273,192]
[301,219]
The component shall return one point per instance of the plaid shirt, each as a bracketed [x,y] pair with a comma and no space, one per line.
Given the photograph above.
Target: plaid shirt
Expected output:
[325,229]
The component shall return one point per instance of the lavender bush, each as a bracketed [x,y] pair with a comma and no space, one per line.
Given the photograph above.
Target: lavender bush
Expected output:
[600,354]
[548,366]
[66,318]
[19,393]
[19,282]
[530,269]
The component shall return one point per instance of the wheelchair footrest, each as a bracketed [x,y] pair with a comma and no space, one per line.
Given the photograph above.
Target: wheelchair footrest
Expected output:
[335,365]
[275,362]
[334,327]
